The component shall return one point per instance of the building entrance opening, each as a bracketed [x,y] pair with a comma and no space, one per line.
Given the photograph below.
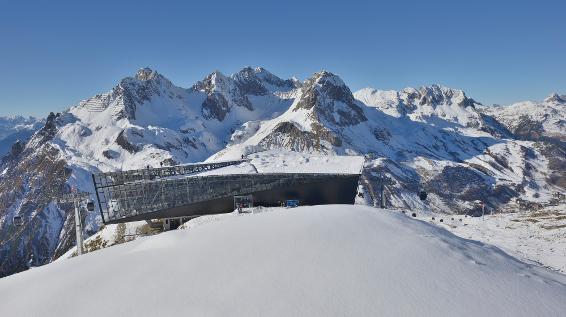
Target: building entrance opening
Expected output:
[244,203]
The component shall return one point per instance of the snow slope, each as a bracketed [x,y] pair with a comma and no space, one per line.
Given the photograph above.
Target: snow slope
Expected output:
[538,236]
[310,261]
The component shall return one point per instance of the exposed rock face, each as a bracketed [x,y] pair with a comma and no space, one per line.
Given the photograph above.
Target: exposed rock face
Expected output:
[248,82]
[122,141]
[331,100]
[215,106]
[459,180]
[436,95]
[49,129]
[17,149]
[382,134]
[555,153]
[137,90]
[528,129]
[494,127]
[110,154]
[252,81]
[223,93]
[31,176]
[287,135]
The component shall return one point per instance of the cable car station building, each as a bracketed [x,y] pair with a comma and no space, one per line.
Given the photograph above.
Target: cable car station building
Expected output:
[178,191]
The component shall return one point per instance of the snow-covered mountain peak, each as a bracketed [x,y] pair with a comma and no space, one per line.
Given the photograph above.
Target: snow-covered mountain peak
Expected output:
[147,77]
[145,119]
[130,93]
[435,95]
[326,78]
[534,120]
[322,107]
[434,104]
[412,98]
[326,84]
[248,81]
[329,99]
[556,99]
[213,81]
[260,81]
[146,73]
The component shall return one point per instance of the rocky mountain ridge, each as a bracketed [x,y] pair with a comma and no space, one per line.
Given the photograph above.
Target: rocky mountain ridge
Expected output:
[531,120]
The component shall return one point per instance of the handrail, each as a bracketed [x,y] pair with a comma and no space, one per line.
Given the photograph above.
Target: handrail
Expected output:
[124,177]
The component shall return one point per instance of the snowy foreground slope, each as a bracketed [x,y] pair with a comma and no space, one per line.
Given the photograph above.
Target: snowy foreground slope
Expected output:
[310,261]
[532,236]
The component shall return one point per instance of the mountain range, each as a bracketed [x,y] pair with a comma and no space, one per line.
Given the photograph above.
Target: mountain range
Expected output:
[434,139]
[16,128]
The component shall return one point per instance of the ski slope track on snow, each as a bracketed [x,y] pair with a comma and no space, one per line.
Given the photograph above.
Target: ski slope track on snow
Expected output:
[332,260]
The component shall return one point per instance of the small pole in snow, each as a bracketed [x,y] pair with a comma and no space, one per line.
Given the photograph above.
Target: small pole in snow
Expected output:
[30,262]
[482,210]
[382,194]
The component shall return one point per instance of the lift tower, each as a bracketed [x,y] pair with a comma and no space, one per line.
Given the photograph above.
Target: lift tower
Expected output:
[76,198]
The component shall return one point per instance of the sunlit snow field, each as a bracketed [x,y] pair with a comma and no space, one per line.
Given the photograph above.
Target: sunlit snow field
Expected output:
[539,236]
[331,260]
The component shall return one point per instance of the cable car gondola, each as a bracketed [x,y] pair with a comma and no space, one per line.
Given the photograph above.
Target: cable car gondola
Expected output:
[18,221]
[90,206]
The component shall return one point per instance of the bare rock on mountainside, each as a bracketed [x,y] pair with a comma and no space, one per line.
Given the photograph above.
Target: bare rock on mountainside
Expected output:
[329,99]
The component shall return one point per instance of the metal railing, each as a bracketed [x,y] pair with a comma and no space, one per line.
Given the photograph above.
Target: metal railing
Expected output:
[151,174]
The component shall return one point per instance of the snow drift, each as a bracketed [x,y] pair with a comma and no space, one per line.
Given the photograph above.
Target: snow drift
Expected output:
[309,261]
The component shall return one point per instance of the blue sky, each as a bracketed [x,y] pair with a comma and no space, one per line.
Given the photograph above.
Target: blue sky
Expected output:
[56,53]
